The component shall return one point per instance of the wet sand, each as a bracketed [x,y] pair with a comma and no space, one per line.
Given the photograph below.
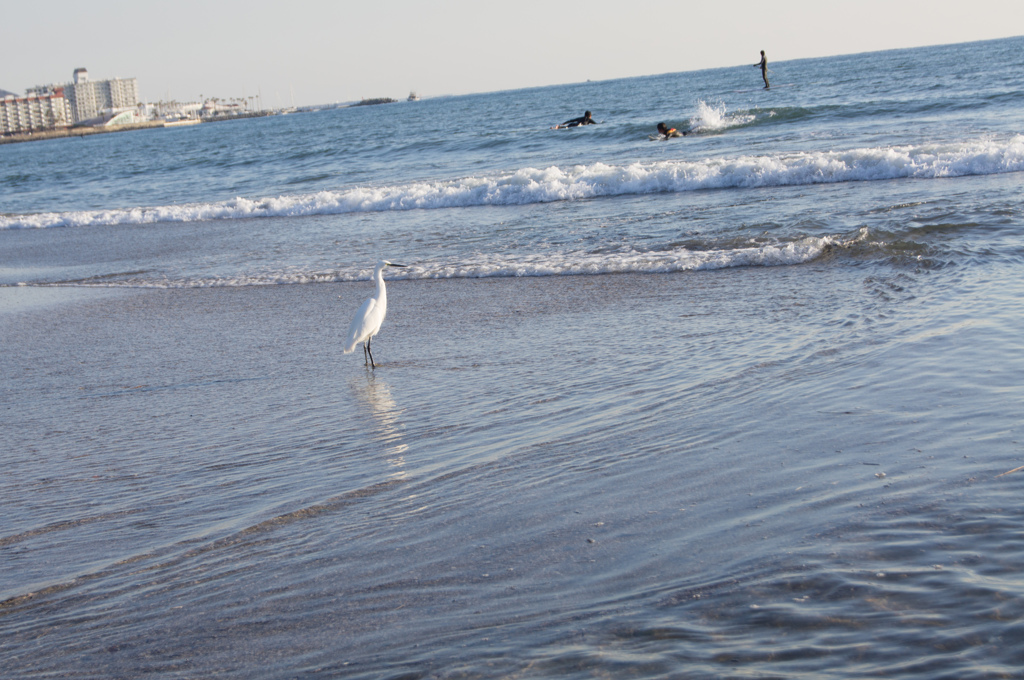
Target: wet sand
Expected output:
[555,476]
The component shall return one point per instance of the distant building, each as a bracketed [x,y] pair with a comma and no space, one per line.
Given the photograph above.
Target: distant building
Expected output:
[33,112]
[88,99]
[84,101]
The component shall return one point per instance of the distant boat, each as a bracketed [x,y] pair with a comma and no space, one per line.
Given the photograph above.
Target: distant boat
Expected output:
[413,97]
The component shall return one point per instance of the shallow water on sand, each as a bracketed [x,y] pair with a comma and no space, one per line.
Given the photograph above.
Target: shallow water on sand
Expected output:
[760,482]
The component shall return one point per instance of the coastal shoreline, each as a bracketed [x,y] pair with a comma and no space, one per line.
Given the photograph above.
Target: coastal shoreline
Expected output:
[77,132]
[148,125]
[746,402]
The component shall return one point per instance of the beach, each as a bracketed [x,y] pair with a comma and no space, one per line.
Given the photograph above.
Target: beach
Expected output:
[75,132]
[748,407]
[525,470]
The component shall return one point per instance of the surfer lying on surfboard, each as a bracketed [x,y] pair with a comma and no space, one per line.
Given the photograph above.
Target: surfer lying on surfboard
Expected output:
[668,132]
[585,119]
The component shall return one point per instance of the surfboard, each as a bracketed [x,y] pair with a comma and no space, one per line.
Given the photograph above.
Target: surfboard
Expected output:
[572,127]
[662,137]
[762,88]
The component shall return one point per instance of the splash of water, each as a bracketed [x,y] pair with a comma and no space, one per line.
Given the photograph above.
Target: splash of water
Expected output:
[715,117]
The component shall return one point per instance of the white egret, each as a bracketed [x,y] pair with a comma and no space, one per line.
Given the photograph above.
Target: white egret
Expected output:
[370,316]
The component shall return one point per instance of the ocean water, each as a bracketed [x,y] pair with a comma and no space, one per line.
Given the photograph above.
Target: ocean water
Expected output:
[745,403]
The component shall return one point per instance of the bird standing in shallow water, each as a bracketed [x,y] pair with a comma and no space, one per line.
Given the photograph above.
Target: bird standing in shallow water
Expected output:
[370,316]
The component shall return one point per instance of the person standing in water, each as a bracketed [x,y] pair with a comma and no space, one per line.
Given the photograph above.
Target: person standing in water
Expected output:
[764,68]
[585,119]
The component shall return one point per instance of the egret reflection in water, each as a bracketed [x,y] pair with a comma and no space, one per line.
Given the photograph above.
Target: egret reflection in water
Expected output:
[385,418]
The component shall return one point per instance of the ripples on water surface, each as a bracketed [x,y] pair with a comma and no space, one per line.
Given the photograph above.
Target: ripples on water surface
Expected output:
[761,430]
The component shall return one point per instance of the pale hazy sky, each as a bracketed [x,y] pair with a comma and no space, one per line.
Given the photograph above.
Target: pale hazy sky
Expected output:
[318,51]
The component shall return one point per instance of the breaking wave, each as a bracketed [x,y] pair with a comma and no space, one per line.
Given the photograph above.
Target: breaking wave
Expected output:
[715,118]
[531,185]
[484,265]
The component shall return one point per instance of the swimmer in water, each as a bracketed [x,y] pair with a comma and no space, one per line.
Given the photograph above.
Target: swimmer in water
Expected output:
[585,119]
[764,68]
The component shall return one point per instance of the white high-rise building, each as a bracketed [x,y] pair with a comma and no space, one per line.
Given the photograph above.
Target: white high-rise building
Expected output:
[89,98]
[49,107]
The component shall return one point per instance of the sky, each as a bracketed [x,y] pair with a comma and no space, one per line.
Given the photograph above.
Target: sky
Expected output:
[306,52]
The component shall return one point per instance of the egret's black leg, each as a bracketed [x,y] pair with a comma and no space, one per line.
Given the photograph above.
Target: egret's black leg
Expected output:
[372,365]
[364,354]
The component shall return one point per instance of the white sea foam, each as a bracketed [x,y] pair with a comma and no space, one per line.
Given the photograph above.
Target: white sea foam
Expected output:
[675,260]
[531,185]
[713,118]
[485,265]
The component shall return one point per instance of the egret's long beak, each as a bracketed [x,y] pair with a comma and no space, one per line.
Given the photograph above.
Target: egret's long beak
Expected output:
[392,264]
